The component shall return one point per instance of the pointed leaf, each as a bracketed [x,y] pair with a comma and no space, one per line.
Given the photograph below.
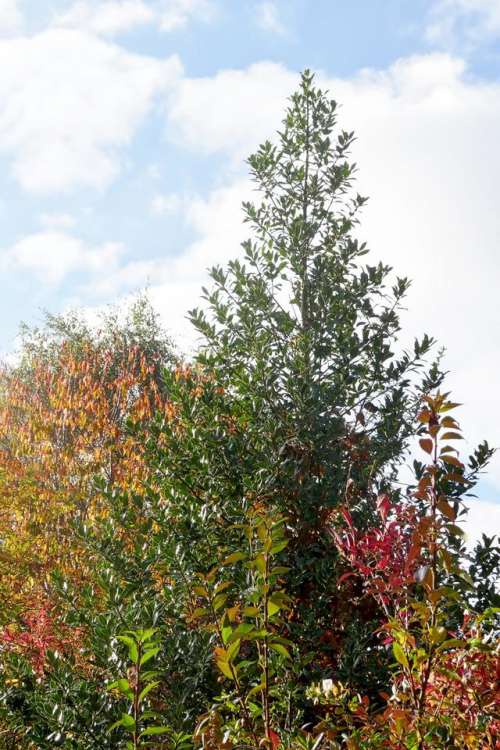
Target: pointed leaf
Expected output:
[400,654]
[132,646]
[233,650]
[225,669]
[150,654]
[234,558]
[280,649]
[144,692]
[446,509]
[453,461]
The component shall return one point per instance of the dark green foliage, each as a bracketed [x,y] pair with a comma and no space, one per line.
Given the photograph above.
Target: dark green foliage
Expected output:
[65,709]
[484,570]
[301,331]
[303,335]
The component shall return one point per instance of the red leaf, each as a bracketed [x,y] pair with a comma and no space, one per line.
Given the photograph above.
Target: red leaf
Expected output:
[275,739]
[347,516]
[383,505]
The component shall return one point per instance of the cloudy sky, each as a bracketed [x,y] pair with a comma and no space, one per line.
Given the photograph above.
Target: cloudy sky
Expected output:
[124,125]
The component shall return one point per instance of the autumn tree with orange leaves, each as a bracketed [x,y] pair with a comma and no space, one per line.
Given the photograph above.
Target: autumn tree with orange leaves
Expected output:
[66,413]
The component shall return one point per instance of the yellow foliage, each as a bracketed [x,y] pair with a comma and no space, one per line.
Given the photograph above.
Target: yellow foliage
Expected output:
[62,424]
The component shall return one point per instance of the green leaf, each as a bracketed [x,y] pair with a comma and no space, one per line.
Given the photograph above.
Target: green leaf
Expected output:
[280,649]
[234,558]
[126,721]
[149,655]
[279,546]
[400,655]
[465,576]
[437,634]
[200,591]
[456,530]
[273,606]
[132,647]
[226,631]
[260,563]
[257,689]
[452,643]
[145,691]
[219,601]
[146,635]
[225,669]
[251,611]
[448,406]
[122,685]
[223,586]
[233,650]
[151,731]
[200,612]
[242,631]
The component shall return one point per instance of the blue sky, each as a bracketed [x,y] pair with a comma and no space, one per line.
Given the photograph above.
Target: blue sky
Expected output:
[124,125]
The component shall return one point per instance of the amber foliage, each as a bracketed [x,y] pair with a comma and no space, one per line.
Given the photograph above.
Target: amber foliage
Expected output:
[65,422]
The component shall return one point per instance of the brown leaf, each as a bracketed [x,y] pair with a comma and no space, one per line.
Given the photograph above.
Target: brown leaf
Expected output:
[453,461]
[446,509]
[426,444]
[424,416]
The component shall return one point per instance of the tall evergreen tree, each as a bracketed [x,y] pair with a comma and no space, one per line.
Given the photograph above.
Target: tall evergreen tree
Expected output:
[303,333]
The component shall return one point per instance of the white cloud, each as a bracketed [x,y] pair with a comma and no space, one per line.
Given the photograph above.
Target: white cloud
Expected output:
[153,171]
[113,17]
[166,204]
[175,14]
[483,518]
[53,255]
[216,222]
[232,112]
[57,221]
[108,17]
[468,22]
[268,18]
[10,17]
[69,102]
[175,282]
[428,154]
